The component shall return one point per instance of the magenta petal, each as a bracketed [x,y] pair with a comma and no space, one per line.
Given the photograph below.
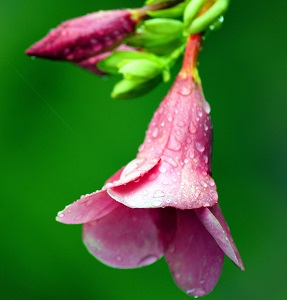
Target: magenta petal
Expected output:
[133,171]
[88,208]
[214,222]
[83,37]
[126,238]
[193,256]
[158,188]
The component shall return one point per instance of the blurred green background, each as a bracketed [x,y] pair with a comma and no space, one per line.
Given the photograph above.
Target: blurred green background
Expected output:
[62,136]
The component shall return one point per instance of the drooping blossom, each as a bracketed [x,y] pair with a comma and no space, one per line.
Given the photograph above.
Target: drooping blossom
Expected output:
[164,203]
[87,36]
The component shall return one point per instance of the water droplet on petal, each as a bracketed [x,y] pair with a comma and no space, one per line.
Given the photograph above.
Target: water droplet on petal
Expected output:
[162,169]
[203,183]
[155,132]
[152,176]
[199,147]
[169,118]
[192,128]
[211,182]
[61,214]
[173,144]
[78,218]
[199,113]
[162,124]
[213,195]
[158,194]
[147,260]
[144,192]
[191,153]
[171,161]
[181,124]
[185,91]
[206,106]
[118,258]
[141,147]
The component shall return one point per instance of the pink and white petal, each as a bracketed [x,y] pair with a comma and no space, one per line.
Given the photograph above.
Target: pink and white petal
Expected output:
[213,220]
[126,238]
[133,171]
[88,208]
[193,256]
[164,186]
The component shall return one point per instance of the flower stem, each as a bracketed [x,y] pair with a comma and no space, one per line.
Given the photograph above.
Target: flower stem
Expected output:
[189,66]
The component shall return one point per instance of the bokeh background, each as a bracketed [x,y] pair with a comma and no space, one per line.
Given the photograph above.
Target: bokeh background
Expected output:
[62,136]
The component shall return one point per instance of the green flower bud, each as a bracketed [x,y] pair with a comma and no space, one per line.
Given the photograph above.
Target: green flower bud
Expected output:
[173,12]
[117,59]
[140,69]
[164,26]
[127,89]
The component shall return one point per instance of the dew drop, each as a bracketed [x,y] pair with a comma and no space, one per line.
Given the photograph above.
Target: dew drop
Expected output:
[205,127]
[192,128]
[173,144]
[169,118]
[199,113]
[171,161]
[191,153]
[158,194]
[181,124]
[213,195]
[205,158]
[162,124]
[118,258]
[141,147]
[155,132]
[78,218]
[199,147]
[147,260]
[206,106]
[61,214]
[144,192]
[185,91]
[203,183]
[211,182]
[162,169]
[152,177]
[156,203]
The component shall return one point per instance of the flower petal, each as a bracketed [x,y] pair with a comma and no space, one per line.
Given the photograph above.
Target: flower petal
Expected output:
[161,187]
[90,207]
[213,220]
[133,171]
[126,238]
[80,38]
[193,256]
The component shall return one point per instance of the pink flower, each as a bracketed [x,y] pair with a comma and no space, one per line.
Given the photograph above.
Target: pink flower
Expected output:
[80,38]
[164,203]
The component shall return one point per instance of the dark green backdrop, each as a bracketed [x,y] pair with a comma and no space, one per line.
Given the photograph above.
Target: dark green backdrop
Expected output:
[62,136]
